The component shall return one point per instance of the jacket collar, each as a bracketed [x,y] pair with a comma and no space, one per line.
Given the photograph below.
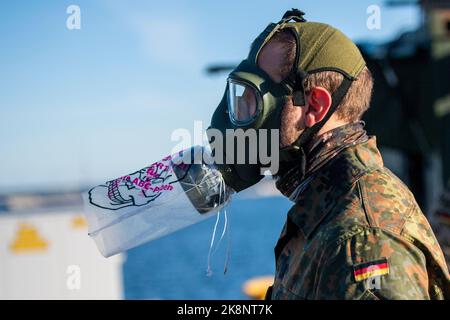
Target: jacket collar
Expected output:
[327,186]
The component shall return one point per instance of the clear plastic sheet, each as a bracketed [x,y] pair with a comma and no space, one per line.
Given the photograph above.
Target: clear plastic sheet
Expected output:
[157,200]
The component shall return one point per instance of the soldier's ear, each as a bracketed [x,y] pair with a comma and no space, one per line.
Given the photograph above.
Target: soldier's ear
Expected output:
[319,102]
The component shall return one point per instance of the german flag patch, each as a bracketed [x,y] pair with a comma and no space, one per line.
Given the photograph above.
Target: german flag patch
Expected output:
[371,269]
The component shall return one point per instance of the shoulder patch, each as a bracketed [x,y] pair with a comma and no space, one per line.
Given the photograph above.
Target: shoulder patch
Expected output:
[370,269]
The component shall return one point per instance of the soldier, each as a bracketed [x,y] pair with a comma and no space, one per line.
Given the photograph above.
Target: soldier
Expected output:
[355,231]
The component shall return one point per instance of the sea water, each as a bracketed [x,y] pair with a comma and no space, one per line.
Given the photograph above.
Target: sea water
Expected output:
[174,267]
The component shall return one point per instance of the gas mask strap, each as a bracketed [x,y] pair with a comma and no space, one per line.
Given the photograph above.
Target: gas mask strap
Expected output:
[293,14]
[337,97]
[295,152]
[298,95]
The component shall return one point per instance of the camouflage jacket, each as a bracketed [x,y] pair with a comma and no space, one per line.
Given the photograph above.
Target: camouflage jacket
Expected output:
[356,232]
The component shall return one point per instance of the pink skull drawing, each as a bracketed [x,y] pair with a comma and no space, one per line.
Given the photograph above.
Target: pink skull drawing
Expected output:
[136,189]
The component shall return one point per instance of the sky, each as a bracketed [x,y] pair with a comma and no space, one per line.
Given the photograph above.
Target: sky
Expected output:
[79,107]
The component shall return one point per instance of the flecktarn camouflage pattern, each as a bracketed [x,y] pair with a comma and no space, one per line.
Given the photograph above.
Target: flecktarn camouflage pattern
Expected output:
[356,232]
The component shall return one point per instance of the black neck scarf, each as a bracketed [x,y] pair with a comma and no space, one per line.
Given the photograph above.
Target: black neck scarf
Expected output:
[318,152]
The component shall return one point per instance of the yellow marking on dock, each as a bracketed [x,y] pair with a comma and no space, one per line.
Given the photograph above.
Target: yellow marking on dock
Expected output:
[28,240]
[79,222]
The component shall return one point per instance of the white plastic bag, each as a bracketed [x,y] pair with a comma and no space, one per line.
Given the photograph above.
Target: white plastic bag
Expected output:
[159,199]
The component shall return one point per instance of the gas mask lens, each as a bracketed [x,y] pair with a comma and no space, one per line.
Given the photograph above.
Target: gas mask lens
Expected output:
[244,103]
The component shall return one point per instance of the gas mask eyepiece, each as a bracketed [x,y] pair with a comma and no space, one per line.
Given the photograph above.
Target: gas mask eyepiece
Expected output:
[244,102]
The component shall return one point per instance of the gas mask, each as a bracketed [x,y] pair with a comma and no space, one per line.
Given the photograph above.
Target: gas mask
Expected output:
[253,101]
